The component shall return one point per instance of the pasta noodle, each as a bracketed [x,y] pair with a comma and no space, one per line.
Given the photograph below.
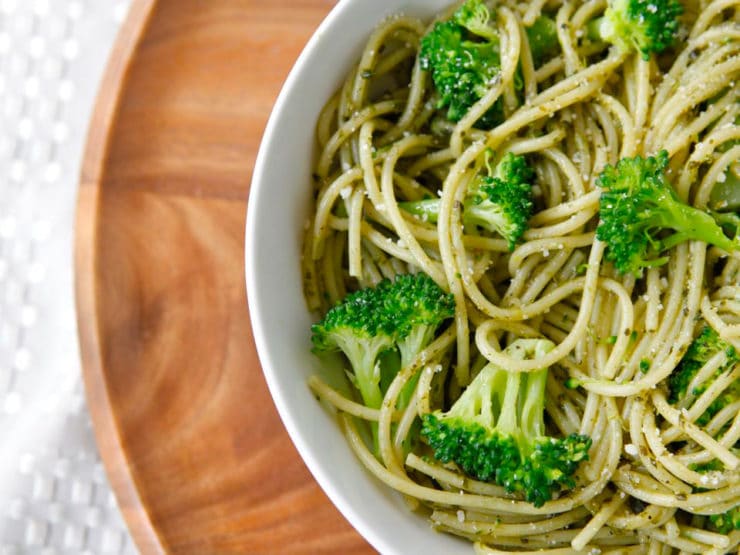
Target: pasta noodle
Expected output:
[382,141]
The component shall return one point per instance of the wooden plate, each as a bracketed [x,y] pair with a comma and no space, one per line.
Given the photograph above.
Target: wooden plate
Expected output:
[193,446]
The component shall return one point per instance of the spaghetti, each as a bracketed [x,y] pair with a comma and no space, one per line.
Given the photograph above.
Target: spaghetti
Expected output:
[383,140]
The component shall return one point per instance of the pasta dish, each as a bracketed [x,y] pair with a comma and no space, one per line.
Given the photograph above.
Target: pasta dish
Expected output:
[525,253]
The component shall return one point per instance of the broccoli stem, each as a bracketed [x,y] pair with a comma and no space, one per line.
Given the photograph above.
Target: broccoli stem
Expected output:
[693,224]
[476,402]
[598,29]
[426,210]
[363,358]
[508,421]
[487,215]
[532,421]
[409,347]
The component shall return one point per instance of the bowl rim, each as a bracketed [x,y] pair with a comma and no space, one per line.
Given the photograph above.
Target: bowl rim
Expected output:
[255,308]
[336,44]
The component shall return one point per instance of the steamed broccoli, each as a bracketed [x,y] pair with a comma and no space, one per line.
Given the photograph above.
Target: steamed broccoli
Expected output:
[503,201]
[463,57]
[638,204]
[703,348]
[474,16]
[419,307]
[643,25]
[500,202]
[495,431]
[403,313]
[361,328]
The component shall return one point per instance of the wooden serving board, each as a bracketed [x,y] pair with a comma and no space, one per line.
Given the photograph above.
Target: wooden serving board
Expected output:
[194,448]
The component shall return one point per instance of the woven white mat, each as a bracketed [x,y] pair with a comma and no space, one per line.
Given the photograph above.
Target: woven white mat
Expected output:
[54,495]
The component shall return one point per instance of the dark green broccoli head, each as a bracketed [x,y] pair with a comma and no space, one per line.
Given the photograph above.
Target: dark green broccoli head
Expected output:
[495,432]
[416,300]
[418,307]
[403,313]
[463,62]
[627,200]
[548,468]
[701,350]
[638,205]
[502,202]
[646,26]
[479,452]
[513,168]
[360,314]
[362,329]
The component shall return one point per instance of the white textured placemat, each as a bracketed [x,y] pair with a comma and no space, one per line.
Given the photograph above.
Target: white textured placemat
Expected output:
[54,495]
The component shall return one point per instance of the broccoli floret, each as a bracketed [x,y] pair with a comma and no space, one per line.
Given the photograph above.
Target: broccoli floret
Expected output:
[360,328]
[638,205]
[495,431]
[500,202]
[703,348]
[419,307]
[463,57]
[543,39]
[404,314]
[503,201]
[474,16]
[643,25]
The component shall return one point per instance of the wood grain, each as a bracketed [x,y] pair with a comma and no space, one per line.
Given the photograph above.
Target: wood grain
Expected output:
[194,448]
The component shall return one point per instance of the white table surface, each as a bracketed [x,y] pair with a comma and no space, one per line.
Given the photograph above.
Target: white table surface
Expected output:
[54,495]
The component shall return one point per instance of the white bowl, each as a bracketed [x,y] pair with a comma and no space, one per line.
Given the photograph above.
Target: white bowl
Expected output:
[278,208]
